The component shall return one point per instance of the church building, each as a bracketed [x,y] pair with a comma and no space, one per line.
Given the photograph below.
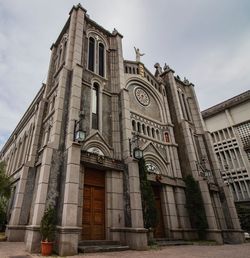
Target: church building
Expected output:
[78,144]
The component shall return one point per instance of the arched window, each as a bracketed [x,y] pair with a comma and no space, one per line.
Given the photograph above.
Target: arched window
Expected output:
[59,58]
[91,60]
[166,137]
[157,134]
[95,106]
[143,129]
[64,50]
[153,132]
[148,131]
[133,125]
[138,127]
[101,59]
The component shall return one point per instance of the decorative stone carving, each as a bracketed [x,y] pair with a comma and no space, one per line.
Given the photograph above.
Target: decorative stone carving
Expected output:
[186,81]
[158,70]
[95,150]
[152,168]
[166,67]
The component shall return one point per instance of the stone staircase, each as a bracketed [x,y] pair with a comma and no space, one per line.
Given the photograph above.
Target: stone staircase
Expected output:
[169,242]
[95,246]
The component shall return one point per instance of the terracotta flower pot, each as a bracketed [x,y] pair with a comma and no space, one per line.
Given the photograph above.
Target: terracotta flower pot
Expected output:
[46,248]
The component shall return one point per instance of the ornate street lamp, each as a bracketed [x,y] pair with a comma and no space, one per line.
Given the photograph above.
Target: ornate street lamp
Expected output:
[79,134]
[137,152]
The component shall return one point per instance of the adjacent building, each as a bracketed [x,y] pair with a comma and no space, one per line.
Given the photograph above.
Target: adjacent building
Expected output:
[74,148]
[229,124]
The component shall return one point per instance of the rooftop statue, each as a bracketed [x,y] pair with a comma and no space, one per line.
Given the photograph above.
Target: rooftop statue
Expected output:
[138,54]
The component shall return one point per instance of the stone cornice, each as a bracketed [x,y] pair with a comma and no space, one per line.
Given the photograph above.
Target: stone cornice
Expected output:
[226,104]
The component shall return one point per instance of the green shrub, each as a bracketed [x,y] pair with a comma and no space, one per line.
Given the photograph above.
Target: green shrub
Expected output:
[5,192]
[195,206]
[48,224]
[150,215]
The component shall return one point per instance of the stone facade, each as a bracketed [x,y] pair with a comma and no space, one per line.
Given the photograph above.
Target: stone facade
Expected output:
[229,125]
[91,87]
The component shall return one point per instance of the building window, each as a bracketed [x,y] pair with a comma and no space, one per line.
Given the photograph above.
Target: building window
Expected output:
[101,59]
[143,129]
[133,125]
[148,131]
[64,50]
[166,137]
[138,127]
[157,134]
[95,106]
[96,55]
[91,54]
[59,58]
[153,132]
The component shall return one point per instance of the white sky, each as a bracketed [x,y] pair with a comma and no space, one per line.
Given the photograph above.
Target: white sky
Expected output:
[207,41]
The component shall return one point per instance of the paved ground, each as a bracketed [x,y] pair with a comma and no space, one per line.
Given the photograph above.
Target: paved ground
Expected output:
[16,250]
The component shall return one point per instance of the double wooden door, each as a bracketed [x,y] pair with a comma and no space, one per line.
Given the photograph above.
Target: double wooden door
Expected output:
[93,217]
[159,231]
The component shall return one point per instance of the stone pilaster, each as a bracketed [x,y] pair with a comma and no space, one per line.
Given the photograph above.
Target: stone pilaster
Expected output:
[115,213]
[32,235]
[68,234]
[170,212]
[69,230]
[16,232]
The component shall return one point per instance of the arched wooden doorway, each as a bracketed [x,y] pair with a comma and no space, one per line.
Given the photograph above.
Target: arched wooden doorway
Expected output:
[159,231]
[93,216]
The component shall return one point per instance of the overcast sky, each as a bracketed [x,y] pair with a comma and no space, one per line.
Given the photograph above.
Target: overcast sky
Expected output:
[206,41]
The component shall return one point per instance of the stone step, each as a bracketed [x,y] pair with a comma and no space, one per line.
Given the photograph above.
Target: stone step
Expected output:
[98,242]
[101,248]
[167,242]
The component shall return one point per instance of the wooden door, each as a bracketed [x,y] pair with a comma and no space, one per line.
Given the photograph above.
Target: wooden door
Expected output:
[93,218]
[159,231]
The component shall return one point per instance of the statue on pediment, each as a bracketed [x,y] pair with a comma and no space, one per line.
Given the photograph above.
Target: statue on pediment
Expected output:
[138,54]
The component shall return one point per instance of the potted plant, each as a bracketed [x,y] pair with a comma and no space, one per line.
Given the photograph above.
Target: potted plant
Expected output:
[47,230]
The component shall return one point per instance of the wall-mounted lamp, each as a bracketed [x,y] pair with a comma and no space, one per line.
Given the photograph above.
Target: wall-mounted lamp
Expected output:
[202,170]
[79,134]
[137,152]
[206,173]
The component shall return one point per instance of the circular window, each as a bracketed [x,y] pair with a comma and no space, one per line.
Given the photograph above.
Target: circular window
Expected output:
[142,96]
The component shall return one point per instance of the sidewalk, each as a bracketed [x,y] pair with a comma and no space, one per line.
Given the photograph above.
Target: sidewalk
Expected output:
[16,250]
